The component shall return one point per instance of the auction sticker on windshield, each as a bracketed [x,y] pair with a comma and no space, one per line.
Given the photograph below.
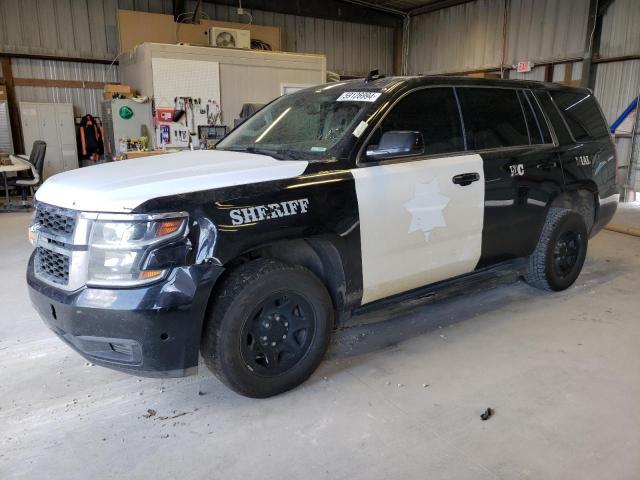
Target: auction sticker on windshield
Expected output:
[358,97]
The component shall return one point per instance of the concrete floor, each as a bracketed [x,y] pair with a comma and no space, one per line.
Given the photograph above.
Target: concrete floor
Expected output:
[562,372]
[628,215]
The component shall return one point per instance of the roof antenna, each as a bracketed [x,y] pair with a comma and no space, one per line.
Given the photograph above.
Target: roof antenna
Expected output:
[373,75]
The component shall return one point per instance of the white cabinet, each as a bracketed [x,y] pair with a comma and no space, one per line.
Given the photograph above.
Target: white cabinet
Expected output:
[53,124]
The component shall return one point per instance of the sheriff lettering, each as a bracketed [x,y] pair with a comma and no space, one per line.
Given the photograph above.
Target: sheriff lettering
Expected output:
[240,216]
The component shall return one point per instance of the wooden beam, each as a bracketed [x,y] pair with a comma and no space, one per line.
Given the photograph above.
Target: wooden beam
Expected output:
[46,82]
[60,58]
[14,115]
[548,73]
[568,73]
[621,58]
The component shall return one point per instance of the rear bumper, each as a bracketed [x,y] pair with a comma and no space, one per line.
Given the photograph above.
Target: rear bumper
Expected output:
[606,210]
[152,331]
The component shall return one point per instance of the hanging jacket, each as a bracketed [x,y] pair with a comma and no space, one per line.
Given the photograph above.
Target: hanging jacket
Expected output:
[90,136]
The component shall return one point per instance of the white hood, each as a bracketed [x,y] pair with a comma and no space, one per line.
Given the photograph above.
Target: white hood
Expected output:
[124,185]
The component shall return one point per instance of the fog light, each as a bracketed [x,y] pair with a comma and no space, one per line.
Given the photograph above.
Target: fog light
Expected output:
[32,234]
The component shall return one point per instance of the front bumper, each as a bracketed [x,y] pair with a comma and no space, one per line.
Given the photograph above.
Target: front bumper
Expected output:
[151,331]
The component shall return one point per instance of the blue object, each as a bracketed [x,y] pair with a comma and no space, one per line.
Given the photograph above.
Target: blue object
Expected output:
[624,115]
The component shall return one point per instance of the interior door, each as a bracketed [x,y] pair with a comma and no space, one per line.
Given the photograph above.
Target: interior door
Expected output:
[67,135]
[50,134]
[30,125]
[65,124]
[416,225]
[419,223]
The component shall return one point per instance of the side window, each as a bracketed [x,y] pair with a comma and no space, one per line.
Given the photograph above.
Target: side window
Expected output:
[554,117]
[535,136]
[541,123]
[431,112]
[492,118]
[581,114]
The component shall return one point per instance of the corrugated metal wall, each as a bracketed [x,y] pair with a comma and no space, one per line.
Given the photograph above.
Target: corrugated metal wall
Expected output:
[618,83]
[621,29]
[546,30]
[465,37]
[351,48]
[75,28]
[87,29]
[470,36]
[84,100]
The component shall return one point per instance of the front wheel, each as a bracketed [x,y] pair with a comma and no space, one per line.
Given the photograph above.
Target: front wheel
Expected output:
[268,329]
[558,258]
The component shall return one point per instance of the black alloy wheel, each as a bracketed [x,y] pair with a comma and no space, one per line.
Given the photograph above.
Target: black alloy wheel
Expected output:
[559,255]
[278,334]
[268,327]
[566,253]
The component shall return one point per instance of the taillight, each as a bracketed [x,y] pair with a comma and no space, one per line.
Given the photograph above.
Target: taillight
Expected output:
[615,157]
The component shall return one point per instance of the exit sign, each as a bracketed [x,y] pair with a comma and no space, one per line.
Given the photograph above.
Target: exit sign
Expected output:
[524,67]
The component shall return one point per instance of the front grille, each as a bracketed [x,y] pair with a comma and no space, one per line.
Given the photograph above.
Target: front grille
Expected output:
[52,266]
[55,220]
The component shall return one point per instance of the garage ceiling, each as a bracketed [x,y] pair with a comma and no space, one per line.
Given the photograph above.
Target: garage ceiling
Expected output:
[414,6]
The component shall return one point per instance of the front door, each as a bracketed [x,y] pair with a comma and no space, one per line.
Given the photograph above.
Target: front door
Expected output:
[416,225]
[421,215]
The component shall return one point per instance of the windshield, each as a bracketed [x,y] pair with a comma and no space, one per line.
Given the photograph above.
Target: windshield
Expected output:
[302,125]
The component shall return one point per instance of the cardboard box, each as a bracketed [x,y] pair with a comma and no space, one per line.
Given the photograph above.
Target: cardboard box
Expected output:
[118,88]
[135,28]
[483,75]
[109,95]
[110,89]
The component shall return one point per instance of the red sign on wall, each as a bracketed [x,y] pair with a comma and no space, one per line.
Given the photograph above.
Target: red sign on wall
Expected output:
[523,67]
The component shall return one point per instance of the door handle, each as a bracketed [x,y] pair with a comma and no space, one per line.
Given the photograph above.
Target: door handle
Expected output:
[465,179]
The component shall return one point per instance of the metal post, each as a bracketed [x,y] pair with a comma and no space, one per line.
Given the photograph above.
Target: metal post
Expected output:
[629,187]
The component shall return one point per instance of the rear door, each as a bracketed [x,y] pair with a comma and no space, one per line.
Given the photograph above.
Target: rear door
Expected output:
[419,223]
[589,154]
[522,173]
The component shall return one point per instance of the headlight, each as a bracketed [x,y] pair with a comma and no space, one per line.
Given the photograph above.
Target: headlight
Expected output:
[118,247]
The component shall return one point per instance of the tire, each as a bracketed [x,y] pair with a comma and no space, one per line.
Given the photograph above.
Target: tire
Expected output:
[558,258]
[268,328]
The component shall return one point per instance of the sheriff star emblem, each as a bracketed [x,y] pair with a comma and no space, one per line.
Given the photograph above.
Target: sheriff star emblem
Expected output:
[426,208]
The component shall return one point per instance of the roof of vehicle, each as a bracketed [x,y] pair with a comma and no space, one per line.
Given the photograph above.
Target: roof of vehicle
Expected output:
[386,83]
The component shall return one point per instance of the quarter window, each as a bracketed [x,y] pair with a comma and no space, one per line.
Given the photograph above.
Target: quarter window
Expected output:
[581,114]
[430,111]
[493,118]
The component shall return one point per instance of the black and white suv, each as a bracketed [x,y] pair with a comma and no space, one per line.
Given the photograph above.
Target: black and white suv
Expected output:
[325,200]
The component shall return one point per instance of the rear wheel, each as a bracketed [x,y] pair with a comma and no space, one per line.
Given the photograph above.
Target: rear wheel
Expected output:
[268,329]
[559,256]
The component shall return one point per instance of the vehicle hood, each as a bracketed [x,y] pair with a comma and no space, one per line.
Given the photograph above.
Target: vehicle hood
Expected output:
[124,185]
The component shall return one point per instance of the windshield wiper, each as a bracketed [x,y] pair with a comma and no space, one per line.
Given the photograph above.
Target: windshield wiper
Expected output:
[279,154]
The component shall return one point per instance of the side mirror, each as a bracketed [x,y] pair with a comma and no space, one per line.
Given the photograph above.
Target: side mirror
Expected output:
[397,143]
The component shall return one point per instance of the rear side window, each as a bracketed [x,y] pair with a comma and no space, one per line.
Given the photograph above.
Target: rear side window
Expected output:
[431,111]
[582,115]
[493,118]
[538,128]
[554,117]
